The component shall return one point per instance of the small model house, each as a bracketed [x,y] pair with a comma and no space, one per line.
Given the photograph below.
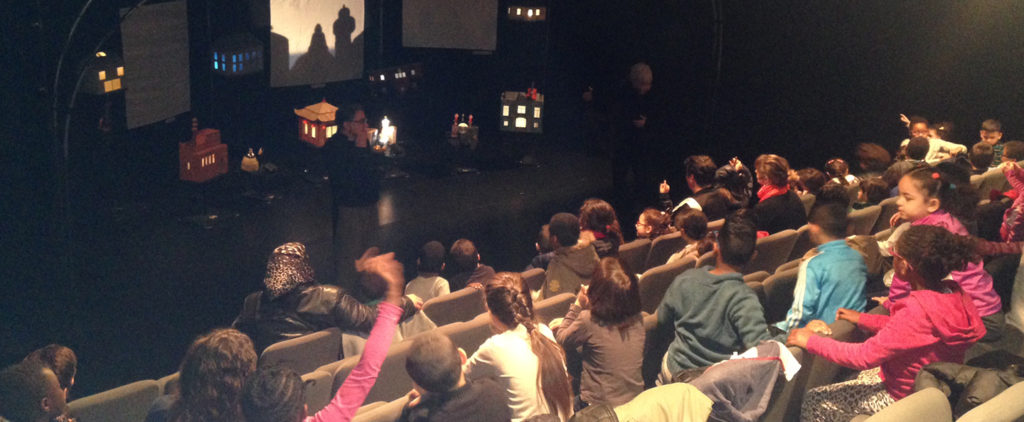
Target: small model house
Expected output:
[103,74]
[316,123]
[203,157]
[237,54]
[522,112]
[527,14]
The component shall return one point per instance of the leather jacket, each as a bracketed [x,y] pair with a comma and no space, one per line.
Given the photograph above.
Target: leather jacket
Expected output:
[305,310]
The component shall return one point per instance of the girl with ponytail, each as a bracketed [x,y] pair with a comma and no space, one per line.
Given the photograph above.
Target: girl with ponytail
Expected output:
[523,355]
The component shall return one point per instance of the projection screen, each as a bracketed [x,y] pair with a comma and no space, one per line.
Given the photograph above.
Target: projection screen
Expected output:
[315,41]
[156,61]
[458,24]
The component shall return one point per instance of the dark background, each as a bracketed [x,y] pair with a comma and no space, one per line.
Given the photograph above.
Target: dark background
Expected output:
[807,80]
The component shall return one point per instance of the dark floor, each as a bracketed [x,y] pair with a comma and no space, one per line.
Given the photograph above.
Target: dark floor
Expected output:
[154,269]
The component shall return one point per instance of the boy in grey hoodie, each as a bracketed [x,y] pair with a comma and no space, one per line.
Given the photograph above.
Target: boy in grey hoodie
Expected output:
[573,263]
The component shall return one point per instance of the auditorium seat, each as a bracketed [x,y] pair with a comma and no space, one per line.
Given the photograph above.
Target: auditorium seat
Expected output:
[392,381]
[662,248]
[889,208]
[755,282]
[1004,407]
[929,405]
[862,221]
[789,265]
[634,254]
[808,200]
[553,307]
[654,350]
[758,276]
[533,277]
[306,353]
[129,402]
[461,305]
[469,335]
[784,405]
[716,225]
[706,259]
[803,243]
[778,292]
[318,390]
[772,251]
[389,412]
[655,281]
[169,384]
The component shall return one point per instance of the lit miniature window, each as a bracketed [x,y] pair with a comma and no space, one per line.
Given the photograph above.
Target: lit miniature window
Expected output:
[382,76]
[215,55]
[520,122]
[241,66]
[116,84]
[305,127]
[247,55]
[519,11]
[529,13]
[120,71]
[536,125]
[505,123]
[103,75]
[504,110]
[234,58]
[521,109]
[234,68]
[536,112]
[413,71]
[314,132]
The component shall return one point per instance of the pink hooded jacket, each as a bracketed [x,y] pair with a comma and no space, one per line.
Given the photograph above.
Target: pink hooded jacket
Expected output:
[925,327]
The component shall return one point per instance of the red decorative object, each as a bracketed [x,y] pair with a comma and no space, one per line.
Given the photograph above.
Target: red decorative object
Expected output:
[203,157]
[316,123]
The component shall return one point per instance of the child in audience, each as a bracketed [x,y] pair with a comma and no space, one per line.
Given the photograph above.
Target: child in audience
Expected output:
[833,193]
[605,323]
[523,356]
[981,157]
[600,227]
[653,223]
[808,181]
[872,158]
[428,283]
[545,250]
[466,269]
[694,227]
[872,191]
[61,360]
[573,262]
[710,311]
[839,172]
[936,322]
[937,197]
[992,133]
[778,207]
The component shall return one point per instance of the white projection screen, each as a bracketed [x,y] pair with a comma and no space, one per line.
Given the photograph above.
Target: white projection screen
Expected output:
[315,41]
[156,61]
[459,24]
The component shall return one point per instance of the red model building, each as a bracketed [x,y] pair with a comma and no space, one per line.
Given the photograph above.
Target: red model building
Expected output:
[203,157]
[316,123]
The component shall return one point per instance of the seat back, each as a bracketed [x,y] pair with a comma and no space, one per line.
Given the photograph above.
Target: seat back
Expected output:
[929,405]
[808,200]
[306,353]
[318,390]
[706,259]
[392,380]
[169,384]
[129,402]
[1004,407]
[888,208]
[772,251]
[388,412]
[803,242]
[634,254]
[853,191]
[778,292]
[654,350]
[662,248]
[457,306]
[716,225]
[533,277]
[553,307]
[655,282]
[862,221]
[469,335]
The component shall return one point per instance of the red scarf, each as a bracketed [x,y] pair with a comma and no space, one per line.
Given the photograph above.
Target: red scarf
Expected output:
[768,191]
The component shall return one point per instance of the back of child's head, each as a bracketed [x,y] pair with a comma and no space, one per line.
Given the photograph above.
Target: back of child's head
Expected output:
[464,255]
[837,168]
[434,363]
[875,189]
[872,157]
[831,218]
[659,221]
[933,252]
[598,215]
[917,148]
[564,228]
[773,168]
[544,239]
[60,359]
[693,223]
[737,239]
[273,394]
[431,257]
[702,168]
[614,293]
[812,180]
[992,125]
[833,193]
[942,129]
[950,184]
[1014,150]
[981,155]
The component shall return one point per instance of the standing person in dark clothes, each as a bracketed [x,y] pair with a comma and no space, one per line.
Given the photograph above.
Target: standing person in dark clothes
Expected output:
[628,114]
[355,189]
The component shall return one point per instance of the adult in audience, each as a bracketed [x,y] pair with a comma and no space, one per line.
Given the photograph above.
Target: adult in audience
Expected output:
[778,207]
[277,395]
[428,283]
[545,250]
[523,356]
[709,310]
[653,223]
[938,149]
[832,278]
[466,268]
[606,326]
[599,226]
[355,177]
[61,360]
[808,180]
[30,392]
[574,261]
[915,152]
[992,134]
[441,392]
[292,304]
[700,178]
[872,158]
[694,228]
[212,375]
[735,179]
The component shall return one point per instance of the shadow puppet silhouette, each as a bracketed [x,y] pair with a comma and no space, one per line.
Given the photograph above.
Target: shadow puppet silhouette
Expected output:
[348,52]
[317,64]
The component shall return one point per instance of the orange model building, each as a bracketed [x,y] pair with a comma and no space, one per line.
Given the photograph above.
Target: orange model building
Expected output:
[316,123]
[203,157]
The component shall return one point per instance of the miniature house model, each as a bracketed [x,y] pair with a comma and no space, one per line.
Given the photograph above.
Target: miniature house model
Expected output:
[237,54]
[522,112]
[203,157]
[103,74]
[316,123]
[527,14]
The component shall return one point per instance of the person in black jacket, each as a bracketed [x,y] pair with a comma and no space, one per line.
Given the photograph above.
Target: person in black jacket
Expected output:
[292,304]
[778,207]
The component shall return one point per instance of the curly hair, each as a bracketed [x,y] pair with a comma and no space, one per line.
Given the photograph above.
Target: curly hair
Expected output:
[212,376]
[934,252]
[660,222]
[837,168]
[273,394]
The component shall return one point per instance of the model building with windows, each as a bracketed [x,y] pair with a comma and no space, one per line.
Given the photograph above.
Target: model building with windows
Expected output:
[203,157]
[316,123]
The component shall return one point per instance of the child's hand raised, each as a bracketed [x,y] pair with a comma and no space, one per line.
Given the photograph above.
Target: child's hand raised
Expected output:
[664,188]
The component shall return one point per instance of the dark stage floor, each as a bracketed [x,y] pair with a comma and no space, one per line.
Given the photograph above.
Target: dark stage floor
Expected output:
[151,271]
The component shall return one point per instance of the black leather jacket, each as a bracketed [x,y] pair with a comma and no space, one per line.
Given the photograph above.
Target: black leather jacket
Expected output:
[305,310]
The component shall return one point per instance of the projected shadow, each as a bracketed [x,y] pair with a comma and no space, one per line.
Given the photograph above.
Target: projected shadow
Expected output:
[318,64]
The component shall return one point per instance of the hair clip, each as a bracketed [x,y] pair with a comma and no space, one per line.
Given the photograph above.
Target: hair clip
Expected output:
[935,175]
